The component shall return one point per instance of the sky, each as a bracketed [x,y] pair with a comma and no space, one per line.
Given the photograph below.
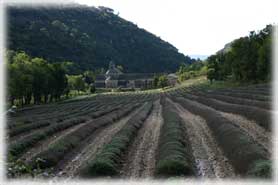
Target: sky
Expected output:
[199,27]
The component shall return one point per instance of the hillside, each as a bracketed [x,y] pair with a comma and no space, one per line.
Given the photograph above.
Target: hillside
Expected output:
[89,37]
[246,59]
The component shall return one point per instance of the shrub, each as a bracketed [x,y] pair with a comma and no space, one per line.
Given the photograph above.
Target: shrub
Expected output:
[261,168]
[261,116]
[236,100]
[26,128]
[107,162]
[58,150]
[21,146]
[173,156]
[172,167]
[239,147]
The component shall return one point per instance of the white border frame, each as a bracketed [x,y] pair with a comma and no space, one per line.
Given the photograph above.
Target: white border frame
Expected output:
[120,182]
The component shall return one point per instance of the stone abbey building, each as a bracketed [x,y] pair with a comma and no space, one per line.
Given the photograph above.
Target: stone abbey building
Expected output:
[114,78]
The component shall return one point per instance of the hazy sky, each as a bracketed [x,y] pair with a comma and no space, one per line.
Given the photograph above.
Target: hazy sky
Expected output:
[195,26]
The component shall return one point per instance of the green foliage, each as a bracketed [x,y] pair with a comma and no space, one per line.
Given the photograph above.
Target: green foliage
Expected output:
[162,81]
[264,60]
[261,169]
[60,80]
[102,167]
[211,74]
[215,70]
[183,76]
[89,77]
[17,167]
[197,68]
[155,81]
[20,77]
[76,82]
[34,77]
[203,70]
[89,37]
[172,168]
[92,88]
[246,59]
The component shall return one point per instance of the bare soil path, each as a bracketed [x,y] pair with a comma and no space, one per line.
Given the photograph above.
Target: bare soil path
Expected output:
[209,158]
[140,161]
[72,167]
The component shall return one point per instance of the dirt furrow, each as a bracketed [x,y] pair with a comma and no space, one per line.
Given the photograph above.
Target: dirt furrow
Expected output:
[140,161]
[71,168]
[41,146]
[209,158]
[260,135]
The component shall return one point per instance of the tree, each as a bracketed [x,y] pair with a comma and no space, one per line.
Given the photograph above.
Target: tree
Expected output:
[59,83]
[40,84]
[203,70]
[79,83]
[264,60]
[162,81]
[211,75]
[92,88]
[246,60]
[89,77]
[76,82]
[155,81]
[34,78]
[213,68]
[59,37]
[182,69]
[19,77]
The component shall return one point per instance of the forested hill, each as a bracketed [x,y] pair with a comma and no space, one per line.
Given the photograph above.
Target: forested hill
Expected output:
[246,59]
[89,37]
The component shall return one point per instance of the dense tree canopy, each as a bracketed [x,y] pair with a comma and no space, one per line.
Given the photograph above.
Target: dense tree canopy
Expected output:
[247,59]
[34,78]
[89,37]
